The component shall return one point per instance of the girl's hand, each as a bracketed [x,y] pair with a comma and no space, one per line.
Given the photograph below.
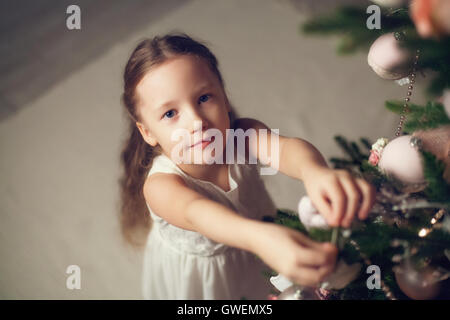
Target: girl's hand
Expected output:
[294,255]
[338,196]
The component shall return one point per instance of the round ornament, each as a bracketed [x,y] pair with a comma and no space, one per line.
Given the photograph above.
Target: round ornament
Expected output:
[401,159]
[388,59]
[309,215]
[417,284]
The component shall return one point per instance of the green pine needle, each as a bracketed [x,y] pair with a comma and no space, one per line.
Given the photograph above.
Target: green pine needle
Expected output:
[438,189]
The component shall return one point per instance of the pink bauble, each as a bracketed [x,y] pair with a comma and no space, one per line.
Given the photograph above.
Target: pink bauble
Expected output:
[388,59]
[417,284]
[402,161]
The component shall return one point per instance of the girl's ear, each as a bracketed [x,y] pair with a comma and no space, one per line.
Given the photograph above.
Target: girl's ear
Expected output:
[146,134]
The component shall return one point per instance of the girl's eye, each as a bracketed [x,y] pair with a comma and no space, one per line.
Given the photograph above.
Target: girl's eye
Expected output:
[204,98]
[169,114]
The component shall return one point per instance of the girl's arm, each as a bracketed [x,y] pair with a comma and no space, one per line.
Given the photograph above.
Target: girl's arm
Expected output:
[336,194]
[170,198]
[285,250]
[297,157]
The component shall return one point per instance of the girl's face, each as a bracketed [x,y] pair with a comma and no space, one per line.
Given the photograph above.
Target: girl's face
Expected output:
[179,94]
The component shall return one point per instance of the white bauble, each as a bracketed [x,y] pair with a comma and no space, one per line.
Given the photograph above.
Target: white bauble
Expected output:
[309,215]
[388,59]
[402,161]
[417,284]
[342,275]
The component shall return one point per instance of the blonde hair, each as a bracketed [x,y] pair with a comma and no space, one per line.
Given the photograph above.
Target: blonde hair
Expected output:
[137,156]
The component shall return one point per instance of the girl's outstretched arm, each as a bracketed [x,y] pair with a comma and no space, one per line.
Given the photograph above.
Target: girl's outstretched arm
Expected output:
[296,157]
[285,250]
[335,193]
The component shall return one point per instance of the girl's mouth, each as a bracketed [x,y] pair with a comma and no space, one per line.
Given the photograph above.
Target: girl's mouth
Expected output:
[203,143]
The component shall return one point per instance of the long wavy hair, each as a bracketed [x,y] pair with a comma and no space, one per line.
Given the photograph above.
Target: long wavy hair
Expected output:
[137,155]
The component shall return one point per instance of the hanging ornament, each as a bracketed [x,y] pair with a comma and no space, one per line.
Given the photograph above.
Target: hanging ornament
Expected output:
[309,215]
[343,274]
[402,160]
[431,17]
[418,284]
[390,3]
[388,59]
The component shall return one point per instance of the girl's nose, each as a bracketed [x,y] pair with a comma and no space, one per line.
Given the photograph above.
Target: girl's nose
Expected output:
[198,123]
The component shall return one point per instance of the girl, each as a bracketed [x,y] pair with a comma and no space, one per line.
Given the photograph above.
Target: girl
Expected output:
[206,218]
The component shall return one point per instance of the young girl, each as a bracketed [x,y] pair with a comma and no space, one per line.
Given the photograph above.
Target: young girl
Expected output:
[207,232]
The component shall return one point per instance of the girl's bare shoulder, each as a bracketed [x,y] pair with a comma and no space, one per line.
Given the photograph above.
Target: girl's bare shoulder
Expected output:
[158,184]
[168,196]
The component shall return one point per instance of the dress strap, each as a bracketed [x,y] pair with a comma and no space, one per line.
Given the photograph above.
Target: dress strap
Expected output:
[162,164]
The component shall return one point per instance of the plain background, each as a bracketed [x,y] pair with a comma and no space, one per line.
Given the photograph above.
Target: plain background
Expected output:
[62,125]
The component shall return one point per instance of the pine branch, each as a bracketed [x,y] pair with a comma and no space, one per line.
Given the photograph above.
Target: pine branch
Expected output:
[397,106]
[438,189]
[349,23]
[365,142]
[432,116]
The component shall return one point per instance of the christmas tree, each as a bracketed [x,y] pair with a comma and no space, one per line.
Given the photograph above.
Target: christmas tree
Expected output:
[405,242]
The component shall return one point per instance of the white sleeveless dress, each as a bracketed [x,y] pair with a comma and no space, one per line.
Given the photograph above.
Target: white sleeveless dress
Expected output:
[183,264]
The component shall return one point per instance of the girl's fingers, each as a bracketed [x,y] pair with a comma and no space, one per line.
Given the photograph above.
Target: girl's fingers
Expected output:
[338,202]
[307,243]
[368,196]
[323,207]
[353,200]
[310,276]
[316,256]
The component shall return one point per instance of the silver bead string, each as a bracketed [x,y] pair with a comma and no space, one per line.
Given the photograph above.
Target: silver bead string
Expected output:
[412,80]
